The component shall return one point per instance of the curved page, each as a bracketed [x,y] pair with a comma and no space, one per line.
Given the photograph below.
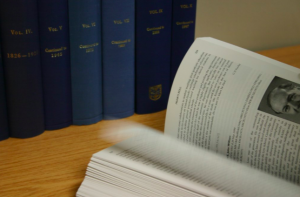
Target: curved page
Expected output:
[239,104]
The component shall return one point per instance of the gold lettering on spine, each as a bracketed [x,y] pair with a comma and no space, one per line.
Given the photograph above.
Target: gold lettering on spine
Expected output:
[121,43]
[85,26]
[159,11]
[54,29]
[185,24]
[19,55]
[155,92]
[185,6]
[18,32]
[56,52]
[28,31]
[55,55]
[14,55]
[14,32]
[34,53]
[120,22]
[155,30]
[89,48]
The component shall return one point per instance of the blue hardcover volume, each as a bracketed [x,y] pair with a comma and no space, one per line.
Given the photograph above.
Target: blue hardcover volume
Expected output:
[22,67]
[153,55]
[118,58]
[55,60]
[86,69]
[4,133]
[183,31]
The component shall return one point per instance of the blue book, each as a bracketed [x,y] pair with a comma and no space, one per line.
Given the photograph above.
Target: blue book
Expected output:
[183,31]
[118,22]
[153,55]
[55,60]
[22,67]
[86,69]
[4,133]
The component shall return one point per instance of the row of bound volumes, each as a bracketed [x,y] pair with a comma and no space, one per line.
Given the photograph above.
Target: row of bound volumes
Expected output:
[78,62]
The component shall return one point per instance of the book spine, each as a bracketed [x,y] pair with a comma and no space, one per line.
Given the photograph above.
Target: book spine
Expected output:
[153,55]
[183,31]
[118,22]
[86,60]
[4,133]
[22,67]
[55,60]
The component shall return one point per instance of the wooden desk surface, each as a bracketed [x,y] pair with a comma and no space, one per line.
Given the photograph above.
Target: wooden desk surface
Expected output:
[54,163]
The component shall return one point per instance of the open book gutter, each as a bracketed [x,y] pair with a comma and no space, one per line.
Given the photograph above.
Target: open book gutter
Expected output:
[222,137]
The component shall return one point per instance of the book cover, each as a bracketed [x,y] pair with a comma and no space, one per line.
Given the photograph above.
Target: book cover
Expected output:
[86,65]
[4,133]
[22,67]
[55,60]
[118,58]
[153,55]
[183,31]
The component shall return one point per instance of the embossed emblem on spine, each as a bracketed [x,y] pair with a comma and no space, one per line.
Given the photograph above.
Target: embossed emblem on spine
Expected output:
[155,92]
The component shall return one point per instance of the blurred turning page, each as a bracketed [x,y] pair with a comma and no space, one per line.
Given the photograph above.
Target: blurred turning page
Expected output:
[240,104]
[153,164]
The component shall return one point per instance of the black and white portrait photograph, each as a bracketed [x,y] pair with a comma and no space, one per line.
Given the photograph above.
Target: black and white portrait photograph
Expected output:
[282,99]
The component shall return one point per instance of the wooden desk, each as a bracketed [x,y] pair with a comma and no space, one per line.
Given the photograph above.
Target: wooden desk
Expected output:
[54,163]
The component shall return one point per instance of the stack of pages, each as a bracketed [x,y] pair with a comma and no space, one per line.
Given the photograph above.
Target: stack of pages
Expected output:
[232,129]
[155,165]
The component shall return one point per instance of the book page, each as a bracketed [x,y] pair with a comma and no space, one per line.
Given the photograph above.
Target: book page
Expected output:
[170,163]
[239,104]
[248,53]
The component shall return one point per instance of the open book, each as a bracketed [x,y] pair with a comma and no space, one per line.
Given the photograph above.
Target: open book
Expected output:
[232,129]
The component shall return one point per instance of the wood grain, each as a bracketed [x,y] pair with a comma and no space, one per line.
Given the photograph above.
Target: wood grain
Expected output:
[54,163]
